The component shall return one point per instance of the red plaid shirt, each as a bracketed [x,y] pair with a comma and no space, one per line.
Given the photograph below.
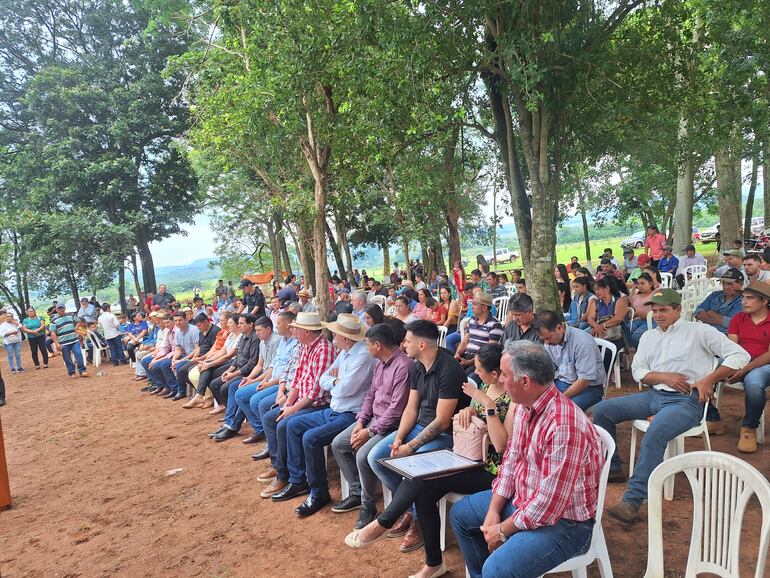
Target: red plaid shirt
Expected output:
[314,359]
[552,464]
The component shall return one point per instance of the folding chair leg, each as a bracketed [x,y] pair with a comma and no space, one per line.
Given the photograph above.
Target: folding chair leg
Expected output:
[442,505]
[632,456]
[761,429]
[672,450]
[617,374]
[97,357]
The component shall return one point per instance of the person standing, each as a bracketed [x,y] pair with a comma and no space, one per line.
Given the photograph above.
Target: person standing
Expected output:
[111,330]
[11,334]
[653,245]
[35,329]
[63,333]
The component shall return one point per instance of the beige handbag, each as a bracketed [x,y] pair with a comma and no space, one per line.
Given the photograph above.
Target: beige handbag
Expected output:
[471,442]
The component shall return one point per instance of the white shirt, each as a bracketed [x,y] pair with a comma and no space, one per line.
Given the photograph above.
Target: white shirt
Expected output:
[6,327]
[109,324]
[688,348]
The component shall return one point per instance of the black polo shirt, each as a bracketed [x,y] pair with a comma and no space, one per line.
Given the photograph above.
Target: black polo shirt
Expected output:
[444,380]
[514,333]
[206,340]
[253,300]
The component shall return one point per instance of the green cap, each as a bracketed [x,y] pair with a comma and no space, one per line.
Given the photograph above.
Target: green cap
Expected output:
[665,297]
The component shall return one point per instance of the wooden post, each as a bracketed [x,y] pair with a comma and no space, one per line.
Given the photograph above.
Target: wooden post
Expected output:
[5,487]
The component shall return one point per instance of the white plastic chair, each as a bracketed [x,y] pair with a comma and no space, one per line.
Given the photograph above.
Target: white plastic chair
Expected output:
[450,498]
[598,549]
[502,307]
[722,486]
[605,345]
[97,348]
[694,272]
[739,385]
[666,280]
[462,325]
[391,311]
[442,330]
[674,448]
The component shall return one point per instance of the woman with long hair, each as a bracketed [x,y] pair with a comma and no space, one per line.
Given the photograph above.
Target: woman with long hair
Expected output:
[373,315]
[452,307]
[581,296]
[608,310]
[644,288]
[561,274]
[34,327]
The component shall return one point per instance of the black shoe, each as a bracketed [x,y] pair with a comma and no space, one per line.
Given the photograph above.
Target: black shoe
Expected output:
[365,517]
[225,434]
[617,477]
[2,402]
[163,391]
[261,455]
[180,395]
[254,438]
[347,505]
[219,431]
[170,394]
[312,504]
[291,491]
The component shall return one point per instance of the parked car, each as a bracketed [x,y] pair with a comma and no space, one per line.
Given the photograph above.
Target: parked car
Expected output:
[695,234]
[635,241]
[710,235]
[502,256]
[757,225]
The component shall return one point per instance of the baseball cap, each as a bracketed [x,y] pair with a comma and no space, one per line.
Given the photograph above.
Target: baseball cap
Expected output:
[628,251]
[690,248]
[665,297]
[732,253]
[732,274]
[60,306]
[246,283]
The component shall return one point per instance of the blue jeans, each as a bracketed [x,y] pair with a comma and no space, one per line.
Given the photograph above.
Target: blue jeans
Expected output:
[453,340]
[233,416]
[248,399]
[67,351]
[674,413]
[13,351]
[160,373]
[116,350]
[306,437]
[526,554]
[388,477]
[755,383]
[587,398]
[275,432]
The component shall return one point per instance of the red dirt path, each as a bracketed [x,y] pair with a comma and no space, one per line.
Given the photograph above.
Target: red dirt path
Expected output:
[88,461]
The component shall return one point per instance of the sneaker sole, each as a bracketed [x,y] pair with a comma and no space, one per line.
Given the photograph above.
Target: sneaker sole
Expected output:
[346,510]
[264,479]
[411,548]
[268,493]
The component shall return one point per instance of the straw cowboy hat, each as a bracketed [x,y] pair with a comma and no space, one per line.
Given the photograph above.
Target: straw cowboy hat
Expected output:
[308,320]
[349,326]
[483,299]
[304,293]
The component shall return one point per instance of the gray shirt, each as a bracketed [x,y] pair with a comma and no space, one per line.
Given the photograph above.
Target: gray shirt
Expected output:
[577,357]
[187,340]
[268,348]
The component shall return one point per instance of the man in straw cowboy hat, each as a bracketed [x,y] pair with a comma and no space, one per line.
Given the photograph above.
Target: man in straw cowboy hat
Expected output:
[347,380]
[305,301]
[305,396]
[482,328]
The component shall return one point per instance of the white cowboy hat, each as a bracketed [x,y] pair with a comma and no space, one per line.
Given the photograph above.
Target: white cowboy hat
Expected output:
[309,320]
[349,326]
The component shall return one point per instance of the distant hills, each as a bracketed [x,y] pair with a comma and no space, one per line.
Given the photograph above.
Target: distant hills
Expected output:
[198,270]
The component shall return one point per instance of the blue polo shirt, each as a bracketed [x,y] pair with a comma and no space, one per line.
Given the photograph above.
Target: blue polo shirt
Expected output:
[716,302]
[669,265]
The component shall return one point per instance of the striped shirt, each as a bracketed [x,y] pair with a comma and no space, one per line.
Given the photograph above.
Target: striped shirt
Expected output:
[552,464]
[64,328]
[491,331]
[314,359]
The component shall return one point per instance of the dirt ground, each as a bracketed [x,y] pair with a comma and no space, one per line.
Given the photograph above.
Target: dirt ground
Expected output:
[90,465]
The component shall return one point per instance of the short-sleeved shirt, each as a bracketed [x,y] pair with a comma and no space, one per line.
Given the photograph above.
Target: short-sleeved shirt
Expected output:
[668,264]
[754,338]
[6,327]
[207,340]
[64,328]
[136,328]
[251,301]
[577,357]
[498,291]
[187,340]
[444,380]
[514,333]
[480,333]
[163,299]
[32,324]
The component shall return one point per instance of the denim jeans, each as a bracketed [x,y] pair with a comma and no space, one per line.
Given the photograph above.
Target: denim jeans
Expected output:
[526,554]
[452,341]
[248,399]
[638,327]
[13,351]
[160,373]
[755,383]
[306,438]
[275,432]
[674,413]
[389,478]
[116,350]
[587,398]
[233,416]
[67,351]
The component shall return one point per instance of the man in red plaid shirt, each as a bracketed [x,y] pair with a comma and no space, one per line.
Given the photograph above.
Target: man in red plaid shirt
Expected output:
[540,510]
[306,395]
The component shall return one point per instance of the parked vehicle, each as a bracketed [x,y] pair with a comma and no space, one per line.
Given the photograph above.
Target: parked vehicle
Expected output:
[757,225]
[710,235]
[502,256]
[695,234]
[635,241]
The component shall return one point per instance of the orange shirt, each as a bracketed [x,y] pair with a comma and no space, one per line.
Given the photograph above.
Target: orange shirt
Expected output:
[654,246]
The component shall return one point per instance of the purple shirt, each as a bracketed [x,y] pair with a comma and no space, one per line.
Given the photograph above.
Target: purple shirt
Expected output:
[387,396]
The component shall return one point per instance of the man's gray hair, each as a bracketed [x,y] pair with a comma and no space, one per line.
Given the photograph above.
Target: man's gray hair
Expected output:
[360,295]
[530,359]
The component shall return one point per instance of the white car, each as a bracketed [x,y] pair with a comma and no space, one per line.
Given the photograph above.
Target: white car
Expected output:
[502,256]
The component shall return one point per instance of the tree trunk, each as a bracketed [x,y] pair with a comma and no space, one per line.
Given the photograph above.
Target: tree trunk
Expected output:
[335,250]
[72,283]
[752,191]
[275,249]
[452,220]
[766,182]
[25,284]
[135,274]
[685,189]
[320,228]
[285,254]
[438,254]
[386,262]
[148,267]
[427,258]
[586,237]
[452,212]
[728,171]
[122,288]
[304,246]
[342,239]
[405,245]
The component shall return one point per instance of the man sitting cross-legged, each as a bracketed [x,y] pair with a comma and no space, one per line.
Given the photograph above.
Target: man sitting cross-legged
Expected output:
[305,396]
[379,416]
[263,383]
[436,382]
[676,359]
[347,380]
[540,509]
[267,346]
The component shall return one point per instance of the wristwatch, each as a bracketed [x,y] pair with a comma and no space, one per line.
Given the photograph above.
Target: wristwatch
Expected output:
[491,412]
[500,534]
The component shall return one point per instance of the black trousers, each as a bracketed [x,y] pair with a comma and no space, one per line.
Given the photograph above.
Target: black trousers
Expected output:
[131,350]
[425,494]
[211,379]
[38,344]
